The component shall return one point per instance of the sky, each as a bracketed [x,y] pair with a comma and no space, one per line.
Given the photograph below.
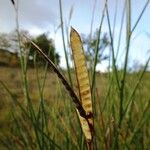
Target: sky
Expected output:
[38,16]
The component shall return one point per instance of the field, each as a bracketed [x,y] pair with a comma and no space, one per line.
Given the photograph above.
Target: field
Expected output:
[45,107]
[60,122]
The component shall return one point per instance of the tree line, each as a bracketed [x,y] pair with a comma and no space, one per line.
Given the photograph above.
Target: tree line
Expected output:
[9,42]
[9,46]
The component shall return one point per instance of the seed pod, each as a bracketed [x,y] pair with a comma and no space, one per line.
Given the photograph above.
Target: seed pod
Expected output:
[83,83]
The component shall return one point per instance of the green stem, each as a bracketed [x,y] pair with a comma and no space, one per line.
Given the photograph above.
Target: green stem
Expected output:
[63,39]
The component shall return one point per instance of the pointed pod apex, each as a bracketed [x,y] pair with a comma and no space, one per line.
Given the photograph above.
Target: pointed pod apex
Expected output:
[74,36]
[73,30]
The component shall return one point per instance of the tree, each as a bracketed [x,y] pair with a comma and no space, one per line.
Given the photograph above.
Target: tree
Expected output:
[8,55]
[90,43]
[9,42]
[4,42]
[48,48]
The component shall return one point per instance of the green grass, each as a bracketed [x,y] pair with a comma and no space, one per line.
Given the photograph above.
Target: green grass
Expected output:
[63,126]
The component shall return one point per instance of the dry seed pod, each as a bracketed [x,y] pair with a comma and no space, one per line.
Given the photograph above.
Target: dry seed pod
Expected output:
[83,83]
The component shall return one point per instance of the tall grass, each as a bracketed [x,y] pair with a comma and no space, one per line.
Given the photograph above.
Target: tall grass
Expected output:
[120,121]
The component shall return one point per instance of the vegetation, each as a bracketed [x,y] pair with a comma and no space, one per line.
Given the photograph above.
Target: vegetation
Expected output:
[9,44]
[37,112]
[59,112]
[90,43]
[47,45]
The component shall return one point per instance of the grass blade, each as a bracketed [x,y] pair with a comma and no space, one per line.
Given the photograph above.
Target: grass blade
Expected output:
[63,39]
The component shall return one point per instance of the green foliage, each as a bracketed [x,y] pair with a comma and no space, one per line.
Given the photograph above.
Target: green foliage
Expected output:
[90,43]
[48,48]
[4,43]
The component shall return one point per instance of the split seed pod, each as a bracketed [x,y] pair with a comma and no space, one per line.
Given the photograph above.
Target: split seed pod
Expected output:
[83,83]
